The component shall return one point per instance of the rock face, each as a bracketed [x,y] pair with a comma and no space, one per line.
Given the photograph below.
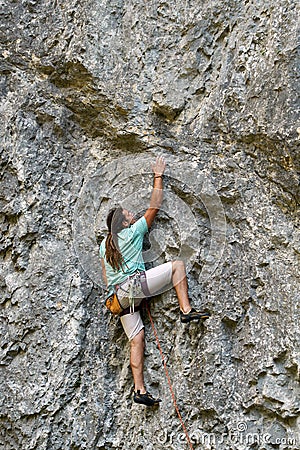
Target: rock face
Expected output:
[91,92]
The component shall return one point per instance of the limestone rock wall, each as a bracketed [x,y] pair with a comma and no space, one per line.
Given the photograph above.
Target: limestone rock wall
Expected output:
[91,92]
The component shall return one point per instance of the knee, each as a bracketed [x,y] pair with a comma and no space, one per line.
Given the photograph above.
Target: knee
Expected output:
[138,340]
[178,265]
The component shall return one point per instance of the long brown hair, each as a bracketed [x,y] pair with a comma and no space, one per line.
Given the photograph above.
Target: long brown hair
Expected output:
[115,224]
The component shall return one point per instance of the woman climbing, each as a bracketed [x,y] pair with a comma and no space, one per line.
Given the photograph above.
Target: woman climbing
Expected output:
[124,270]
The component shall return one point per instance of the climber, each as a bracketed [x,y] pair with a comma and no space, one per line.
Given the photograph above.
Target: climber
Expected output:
[123,269]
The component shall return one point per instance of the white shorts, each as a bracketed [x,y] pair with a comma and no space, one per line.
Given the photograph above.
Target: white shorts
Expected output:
[158,280]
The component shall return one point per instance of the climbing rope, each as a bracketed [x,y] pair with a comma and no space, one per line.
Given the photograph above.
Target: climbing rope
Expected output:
[169,379]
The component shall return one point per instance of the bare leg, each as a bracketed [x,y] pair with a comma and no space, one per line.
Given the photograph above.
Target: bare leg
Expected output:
[137,346]
[180,284]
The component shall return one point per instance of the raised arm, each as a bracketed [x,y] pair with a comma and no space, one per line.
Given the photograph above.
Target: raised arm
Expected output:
[157,193]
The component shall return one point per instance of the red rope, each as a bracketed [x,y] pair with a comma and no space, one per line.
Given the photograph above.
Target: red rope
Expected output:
[169,380]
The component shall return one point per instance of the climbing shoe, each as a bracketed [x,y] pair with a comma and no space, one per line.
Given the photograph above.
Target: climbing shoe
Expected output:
[145,399]
[194,315]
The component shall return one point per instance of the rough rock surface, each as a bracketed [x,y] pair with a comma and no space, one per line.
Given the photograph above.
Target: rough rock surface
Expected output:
[91,91]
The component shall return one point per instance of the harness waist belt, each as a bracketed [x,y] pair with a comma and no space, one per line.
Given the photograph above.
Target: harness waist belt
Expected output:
[117,286]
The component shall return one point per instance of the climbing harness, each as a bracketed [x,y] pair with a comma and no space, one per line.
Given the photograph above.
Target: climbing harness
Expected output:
[168,378]
[115,303]
[133,286]
[133,283]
